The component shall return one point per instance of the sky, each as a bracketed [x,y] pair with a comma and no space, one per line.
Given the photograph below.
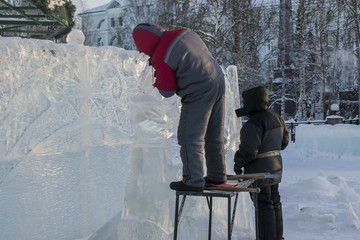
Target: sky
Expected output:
[88,4]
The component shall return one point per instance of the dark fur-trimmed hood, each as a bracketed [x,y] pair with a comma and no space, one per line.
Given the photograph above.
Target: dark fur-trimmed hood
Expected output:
[255,99]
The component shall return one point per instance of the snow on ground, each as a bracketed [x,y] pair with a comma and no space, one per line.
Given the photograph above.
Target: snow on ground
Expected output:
[88,149]
[321,183]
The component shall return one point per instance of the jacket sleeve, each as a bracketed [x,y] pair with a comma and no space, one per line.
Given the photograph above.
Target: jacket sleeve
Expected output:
[164,74]
[165,79]
[250,138]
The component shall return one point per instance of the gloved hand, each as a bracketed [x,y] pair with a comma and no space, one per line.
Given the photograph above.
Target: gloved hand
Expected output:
[237,164]
[237,169]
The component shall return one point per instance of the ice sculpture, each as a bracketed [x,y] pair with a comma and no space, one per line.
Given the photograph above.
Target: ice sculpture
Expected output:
[88,147]
[76,37]
[147,192]
[66,136]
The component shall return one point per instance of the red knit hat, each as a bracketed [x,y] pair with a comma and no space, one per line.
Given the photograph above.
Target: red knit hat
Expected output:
[147,36]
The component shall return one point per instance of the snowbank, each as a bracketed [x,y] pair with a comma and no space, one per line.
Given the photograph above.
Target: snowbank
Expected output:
[339,139]
[321,183]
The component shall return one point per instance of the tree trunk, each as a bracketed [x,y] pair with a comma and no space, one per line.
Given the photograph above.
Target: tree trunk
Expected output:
[301,38]
[322,27]
[354,6]
[357,40]
[285,47]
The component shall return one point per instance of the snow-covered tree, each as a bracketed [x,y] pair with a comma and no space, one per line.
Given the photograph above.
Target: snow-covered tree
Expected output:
[314,45]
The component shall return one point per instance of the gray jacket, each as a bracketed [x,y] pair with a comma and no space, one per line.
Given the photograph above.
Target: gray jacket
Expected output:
[195,68]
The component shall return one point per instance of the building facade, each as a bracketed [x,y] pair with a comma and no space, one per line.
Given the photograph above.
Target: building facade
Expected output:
[111,24]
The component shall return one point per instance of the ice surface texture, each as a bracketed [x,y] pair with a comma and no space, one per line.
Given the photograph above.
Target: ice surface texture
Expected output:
[87,142]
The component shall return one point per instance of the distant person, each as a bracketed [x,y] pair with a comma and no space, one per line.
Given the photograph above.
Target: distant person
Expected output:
[262,137]
[184,65]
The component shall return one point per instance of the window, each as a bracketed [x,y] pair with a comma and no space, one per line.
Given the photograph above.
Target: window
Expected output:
[272,45]
[148,10]
[120,21]
[99,24]
[112,41]
[99,42]
[140,10]
[271,64]
[112,22]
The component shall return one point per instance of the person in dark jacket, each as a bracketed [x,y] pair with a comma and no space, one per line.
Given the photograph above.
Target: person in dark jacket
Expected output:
[262,138]
[184,65]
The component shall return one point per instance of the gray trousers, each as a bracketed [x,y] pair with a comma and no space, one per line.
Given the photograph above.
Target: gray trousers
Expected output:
[201,127]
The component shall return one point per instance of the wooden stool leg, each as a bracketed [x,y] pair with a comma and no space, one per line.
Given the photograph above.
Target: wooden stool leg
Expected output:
[176,216]
[210,217]
[209,202]
[234,212]
[256,199]
[229,218]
